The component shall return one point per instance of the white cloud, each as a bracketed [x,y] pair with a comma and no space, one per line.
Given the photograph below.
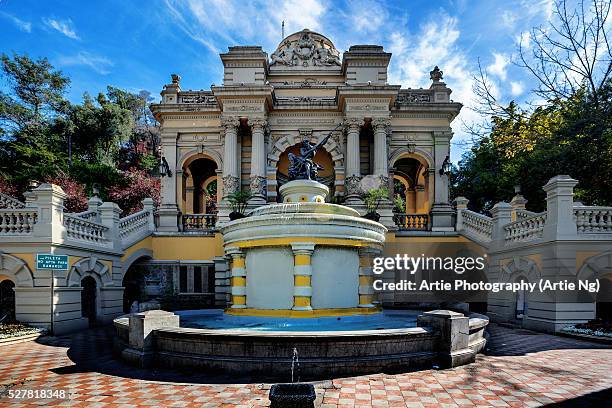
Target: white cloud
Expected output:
[498,67]
[523,39]
[366,15]
[237,22]
[415,55]
[98,63]
[63,26]
[516,88]
[509,18]
[21,24]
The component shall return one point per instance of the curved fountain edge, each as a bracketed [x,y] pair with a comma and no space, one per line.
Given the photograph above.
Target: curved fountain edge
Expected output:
[322,354]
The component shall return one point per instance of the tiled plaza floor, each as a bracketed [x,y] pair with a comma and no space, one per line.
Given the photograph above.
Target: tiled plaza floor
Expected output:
[520,368]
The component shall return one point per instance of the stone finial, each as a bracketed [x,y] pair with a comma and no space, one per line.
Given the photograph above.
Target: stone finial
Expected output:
[176,78]
[436,74]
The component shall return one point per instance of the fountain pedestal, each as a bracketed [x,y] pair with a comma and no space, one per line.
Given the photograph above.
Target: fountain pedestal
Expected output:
[302,258]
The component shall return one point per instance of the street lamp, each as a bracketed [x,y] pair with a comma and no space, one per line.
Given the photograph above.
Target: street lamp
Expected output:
[164,168]
[446,167]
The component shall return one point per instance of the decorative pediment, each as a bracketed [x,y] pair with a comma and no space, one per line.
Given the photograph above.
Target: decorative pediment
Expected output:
[306,49]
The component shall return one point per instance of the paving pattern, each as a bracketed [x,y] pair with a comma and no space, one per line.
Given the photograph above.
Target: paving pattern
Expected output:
[520,368]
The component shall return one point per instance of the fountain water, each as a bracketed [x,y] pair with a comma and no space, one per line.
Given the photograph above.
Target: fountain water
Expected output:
[295,362]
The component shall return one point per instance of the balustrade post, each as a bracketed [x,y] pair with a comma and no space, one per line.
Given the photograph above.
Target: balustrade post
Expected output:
[109,217]
[461,204]
[149,205]
[560,222]
[502,216]
[49,199]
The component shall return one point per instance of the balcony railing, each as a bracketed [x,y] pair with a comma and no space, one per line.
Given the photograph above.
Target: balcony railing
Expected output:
[411,222]
[199,222]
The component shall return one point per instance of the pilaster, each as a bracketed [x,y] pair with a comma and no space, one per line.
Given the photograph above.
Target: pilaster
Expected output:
[238,278]
[366,277]
[302,275]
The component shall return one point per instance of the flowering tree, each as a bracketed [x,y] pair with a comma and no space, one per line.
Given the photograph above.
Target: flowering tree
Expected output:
[76,200]
[136,186]
[7,188]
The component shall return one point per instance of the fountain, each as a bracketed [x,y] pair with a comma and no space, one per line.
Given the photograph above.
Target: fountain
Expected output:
[301,278]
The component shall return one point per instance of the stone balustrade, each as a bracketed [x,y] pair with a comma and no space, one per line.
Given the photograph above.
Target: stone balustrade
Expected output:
[476,226]
[525,229]
[42,220]
[132,227]
[87,215]
[7,201]
[80,229]
[411,222]
[199,222]
[593,219]
[17,221]
[521,214]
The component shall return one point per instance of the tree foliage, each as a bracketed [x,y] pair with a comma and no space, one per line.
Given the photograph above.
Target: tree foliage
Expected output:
[109,140]
[570,133]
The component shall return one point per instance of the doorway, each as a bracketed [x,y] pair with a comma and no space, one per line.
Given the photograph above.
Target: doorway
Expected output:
[88,299]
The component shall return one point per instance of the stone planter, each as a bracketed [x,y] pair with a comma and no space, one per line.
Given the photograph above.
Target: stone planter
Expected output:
[234,215]
[292,395]
[374,216]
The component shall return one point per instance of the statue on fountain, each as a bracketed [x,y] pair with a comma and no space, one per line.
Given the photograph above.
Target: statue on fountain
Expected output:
[303,167]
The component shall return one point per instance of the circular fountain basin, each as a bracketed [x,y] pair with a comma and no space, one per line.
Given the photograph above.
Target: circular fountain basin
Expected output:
[327,347]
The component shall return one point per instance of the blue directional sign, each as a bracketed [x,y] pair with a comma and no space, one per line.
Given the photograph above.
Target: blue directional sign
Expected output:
[52,262]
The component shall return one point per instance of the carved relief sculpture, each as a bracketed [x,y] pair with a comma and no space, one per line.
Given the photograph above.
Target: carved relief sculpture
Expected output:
[306,49]
[258,185]
[230,184]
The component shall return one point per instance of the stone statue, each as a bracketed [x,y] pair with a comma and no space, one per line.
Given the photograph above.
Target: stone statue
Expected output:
[436,74]
[303,167]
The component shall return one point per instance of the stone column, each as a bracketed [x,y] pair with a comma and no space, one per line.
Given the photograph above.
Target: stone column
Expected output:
[352,164]
[238,278]
[302,274]
[258,161]
[168,210]
[231,180]
[560,222]
[441,210]
[366,290]
[381,159]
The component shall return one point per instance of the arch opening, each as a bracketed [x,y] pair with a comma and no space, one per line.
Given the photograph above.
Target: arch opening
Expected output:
[89,299]
[322,157]
[200,186]
[411,183]
[603,306]
[7,301]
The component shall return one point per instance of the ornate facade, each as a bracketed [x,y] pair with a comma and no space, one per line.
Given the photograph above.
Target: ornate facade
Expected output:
[237,135]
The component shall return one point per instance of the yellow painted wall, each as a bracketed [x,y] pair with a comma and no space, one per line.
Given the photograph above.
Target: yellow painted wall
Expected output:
[187,248]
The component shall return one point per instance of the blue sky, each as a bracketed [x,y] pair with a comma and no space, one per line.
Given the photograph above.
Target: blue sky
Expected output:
[137,44]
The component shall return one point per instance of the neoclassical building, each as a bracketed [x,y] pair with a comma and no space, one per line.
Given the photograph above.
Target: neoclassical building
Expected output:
[237,136]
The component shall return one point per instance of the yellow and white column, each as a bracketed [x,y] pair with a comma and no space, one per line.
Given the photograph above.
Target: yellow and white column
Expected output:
[238,278]
[366,277]
[302,275]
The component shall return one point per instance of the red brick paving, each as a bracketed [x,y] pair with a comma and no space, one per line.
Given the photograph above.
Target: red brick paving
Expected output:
[520,369]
